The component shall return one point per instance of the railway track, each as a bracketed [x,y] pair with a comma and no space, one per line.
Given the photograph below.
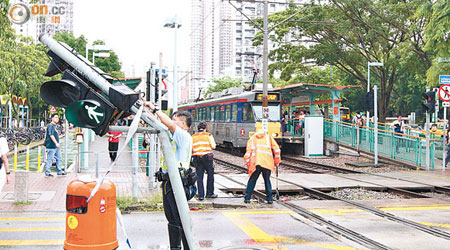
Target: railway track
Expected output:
[431,188]
[343,231]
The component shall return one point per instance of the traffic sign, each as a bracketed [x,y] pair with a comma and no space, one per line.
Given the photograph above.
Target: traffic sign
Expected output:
[444,92]
[52,109]
[444,79]
[446,104]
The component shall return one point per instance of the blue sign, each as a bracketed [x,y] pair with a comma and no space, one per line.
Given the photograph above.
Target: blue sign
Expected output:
[444,79]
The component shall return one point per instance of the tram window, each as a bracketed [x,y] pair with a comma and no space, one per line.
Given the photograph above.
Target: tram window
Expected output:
[274,111]
[194,115]
[222,113]
[208,113]
[247,113]
[234,112]
[213,118]
[228,113]
[203,114]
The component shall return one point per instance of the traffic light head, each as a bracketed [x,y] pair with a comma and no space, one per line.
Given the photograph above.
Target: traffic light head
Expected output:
[91,101]
[369,101]
[156,85]
[430,98]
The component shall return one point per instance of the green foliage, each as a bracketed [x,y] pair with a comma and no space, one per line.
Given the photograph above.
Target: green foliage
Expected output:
[348,34]
[110,65]
[153,203]
[223,83]
[437,34]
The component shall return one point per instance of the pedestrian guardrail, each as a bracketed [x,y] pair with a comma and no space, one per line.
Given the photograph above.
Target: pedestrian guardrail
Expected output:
[390,144]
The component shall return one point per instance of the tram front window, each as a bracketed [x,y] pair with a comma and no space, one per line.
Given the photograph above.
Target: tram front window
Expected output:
[274,112]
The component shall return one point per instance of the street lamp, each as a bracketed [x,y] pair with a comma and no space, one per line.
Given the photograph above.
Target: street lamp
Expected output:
[368,72]
[368,82]
[96,47]
[175,24]
[101,54]
[375,116]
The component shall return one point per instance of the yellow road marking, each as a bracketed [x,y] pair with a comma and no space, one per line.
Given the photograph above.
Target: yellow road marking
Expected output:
[435,224]
[338,211]
[432,176]
[249,228]
[27,229]
[30,242]
[31,218]
[259,236]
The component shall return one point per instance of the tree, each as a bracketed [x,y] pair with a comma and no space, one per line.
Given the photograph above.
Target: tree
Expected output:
[22,68]
[223,83]
[109,65]
[349,33]
[437,34]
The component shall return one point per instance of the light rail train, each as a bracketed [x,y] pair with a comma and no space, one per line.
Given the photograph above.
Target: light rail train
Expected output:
[234,115]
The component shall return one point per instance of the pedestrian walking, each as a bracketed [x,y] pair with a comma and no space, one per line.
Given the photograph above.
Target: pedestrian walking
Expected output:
[178,126]
[262,154]
[398,126]
[113,142]
[202,155]
[5,175]
[53,147]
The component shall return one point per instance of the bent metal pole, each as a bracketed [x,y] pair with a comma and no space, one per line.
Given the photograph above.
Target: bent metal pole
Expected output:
[174,176]
[99,81]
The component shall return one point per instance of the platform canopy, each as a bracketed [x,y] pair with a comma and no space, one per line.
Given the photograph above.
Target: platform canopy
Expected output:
[302,94]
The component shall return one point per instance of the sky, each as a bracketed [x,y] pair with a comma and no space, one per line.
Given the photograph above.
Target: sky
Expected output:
[134,30]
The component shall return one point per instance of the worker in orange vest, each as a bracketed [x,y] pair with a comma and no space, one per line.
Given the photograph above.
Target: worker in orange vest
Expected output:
[262,154]
[202,155]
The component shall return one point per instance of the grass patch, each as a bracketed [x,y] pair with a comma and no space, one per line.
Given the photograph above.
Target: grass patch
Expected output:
[128,203]
[17,203]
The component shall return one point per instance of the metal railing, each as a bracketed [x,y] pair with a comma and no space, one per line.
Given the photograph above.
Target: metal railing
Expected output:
[390,144]
[295,127]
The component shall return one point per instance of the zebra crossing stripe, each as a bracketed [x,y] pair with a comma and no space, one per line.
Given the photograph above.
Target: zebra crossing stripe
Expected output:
[30,242]
[30,229]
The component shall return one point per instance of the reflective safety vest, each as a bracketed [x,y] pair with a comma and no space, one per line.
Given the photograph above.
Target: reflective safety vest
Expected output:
[201,144]
[262,150]
[183,164]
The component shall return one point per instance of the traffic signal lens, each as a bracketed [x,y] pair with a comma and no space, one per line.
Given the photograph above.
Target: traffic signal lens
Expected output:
[86,113]
[60,93]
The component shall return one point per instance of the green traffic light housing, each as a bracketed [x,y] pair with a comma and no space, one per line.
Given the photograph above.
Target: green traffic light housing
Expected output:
[86,113]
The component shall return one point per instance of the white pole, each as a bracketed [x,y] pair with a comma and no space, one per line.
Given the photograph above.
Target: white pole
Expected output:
[444,151]
[9,114]
[175,84]
[66,123]
[135,163]
[375,121]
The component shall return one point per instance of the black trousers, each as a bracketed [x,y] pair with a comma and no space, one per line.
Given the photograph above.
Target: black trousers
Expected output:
[113,147]
[172,215]
[204,164]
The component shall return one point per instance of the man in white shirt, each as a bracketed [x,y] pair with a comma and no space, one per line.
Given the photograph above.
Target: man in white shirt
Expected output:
[178,126]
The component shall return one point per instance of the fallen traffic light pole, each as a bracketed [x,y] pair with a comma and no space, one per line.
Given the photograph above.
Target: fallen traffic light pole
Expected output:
[84,75]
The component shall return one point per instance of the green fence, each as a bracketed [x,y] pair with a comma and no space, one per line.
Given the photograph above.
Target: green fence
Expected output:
[393,145]
[295,127]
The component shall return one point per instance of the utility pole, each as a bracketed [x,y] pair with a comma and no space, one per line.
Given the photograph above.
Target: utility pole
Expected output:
[265,102]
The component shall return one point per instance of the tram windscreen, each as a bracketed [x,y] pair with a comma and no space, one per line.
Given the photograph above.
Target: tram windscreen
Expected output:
[274,111]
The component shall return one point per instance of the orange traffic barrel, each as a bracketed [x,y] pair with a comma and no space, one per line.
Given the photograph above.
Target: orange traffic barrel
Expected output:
[91,225]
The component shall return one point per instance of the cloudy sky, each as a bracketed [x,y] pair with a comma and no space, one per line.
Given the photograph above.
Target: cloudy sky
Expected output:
[134,30]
